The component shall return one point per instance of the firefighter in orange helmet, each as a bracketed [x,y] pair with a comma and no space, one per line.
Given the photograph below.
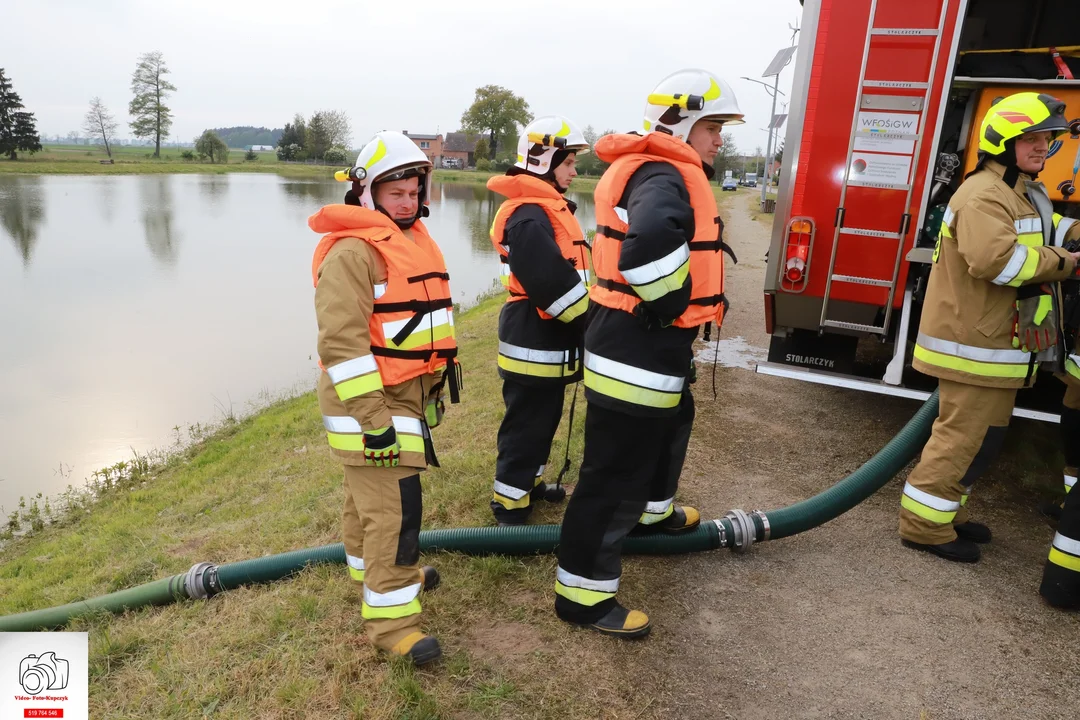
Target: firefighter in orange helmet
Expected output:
[992,314]
[386,344]
[658,259]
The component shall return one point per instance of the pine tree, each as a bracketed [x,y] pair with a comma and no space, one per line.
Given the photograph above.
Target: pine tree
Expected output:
[17,127]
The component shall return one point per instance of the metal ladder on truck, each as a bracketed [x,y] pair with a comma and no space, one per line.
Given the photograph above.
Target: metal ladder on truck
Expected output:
[877,102]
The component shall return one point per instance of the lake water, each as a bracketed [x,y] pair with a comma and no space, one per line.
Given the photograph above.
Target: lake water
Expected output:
[135,305]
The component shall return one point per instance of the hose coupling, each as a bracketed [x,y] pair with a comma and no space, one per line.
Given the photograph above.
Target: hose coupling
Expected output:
[742,526]
[760,515]
[201,581]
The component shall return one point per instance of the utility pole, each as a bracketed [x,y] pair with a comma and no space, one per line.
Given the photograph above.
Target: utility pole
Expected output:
[782,59]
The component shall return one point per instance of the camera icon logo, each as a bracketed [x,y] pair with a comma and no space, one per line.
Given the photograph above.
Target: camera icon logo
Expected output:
[38,673]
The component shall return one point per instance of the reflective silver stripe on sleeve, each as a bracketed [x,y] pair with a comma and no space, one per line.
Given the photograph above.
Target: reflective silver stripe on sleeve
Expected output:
[929,500]
[968,352]
[572,580]
[1070,481]
[630,374]
[380,290]
[1067,544]
[1013,267]
[572,296]
[1062,230]
[540,471]
[510,491]
[394,597]
[949,216]
[547,357]
[621,214]
[354,562]
[352,368]
[1028,225]
[653,271]
[341,424]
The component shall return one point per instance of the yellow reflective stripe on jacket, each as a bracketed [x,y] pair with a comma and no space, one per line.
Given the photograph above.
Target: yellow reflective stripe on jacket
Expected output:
[582,590]
[571,305]
[929,507]
[345,434]
[630,384]
[984,362]
[434,326]
[355,377]
[1070,482]
[1065,552]
[1062,225]
[657,511]
[390,605]
[534,363]
[505,275]
[1072,366]
[655,279]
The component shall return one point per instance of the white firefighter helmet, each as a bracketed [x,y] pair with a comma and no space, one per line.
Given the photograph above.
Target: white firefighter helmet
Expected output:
[686,96]
[389,156]
[542,138]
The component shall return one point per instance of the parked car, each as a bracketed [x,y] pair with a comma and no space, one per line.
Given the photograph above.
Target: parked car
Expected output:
[453,163]
[729,184]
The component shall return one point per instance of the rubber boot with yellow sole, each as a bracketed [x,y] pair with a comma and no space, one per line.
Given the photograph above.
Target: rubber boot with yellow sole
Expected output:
[421,649]
[622,623]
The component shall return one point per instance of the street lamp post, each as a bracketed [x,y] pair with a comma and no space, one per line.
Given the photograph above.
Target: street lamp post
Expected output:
[768,143]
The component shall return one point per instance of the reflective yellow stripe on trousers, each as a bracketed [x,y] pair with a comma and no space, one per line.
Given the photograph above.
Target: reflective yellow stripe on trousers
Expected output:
[929,507]
[391,605]
[582,590]
[356,567]
[1065,552]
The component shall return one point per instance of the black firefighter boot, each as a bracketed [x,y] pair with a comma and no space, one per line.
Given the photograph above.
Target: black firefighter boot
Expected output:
[959,550]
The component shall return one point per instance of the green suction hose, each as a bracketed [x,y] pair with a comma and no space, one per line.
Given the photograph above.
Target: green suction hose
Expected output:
[737,530]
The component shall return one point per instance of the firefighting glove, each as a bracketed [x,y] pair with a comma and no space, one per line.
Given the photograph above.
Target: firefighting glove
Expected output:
[381,447]
[433,412]
[1036,322]
[651,320]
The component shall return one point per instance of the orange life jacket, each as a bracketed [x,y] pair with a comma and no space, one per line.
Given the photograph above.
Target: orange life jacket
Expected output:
[627,153]
[412,323]
[522,190]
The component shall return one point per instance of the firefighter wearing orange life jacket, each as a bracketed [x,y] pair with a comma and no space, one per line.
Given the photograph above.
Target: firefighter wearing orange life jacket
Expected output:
[545,269]
[659,265]
[992,314]
[386,344]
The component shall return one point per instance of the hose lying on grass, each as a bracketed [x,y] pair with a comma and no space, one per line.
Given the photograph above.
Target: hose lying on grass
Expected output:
[737,530]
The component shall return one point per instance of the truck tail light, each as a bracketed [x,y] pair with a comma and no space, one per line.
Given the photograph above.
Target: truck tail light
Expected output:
[798,245]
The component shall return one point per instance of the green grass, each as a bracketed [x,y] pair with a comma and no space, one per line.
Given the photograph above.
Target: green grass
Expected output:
[268,484]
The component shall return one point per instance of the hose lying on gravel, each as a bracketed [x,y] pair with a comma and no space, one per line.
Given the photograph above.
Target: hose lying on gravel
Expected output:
[737,530]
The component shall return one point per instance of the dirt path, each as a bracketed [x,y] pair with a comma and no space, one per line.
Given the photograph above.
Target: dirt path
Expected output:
[843,622]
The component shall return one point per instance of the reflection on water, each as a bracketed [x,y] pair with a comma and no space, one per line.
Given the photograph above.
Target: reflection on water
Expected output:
[22,208]
[106,354]
[157,216]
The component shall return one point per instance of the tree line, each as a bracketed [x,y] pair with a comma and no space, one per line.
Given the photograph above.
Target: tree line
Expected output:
[325,136]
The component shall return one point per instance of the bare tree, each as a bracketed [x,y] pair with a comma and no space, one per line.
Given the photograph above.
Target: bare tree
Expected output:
[152,117]
[100,123]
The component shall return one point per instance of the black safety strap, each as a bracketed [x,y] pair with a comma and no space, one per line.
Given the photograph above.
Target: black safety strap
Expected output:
[429,276]
[610,233]
[615,286]
[569,431]
[417,306]
[720,299]
[413,354]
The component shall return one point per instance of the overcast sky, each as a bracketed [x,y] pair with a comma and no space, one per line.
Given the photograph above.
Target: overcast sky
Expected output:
[405,66]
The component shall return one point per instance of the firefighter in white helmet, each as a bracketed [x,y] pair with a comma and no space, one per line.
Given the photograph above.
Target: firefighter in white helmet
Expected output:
[992,314]
[658,259]
[545,269]
[386,345]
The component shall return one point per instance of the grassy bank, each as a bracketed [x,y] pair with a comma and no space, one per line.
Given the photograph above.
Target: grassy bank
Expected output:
[268,484]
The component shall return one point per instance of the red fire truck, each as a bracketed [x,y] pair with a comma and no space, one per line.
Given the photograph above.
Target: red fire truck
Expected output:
[887,100]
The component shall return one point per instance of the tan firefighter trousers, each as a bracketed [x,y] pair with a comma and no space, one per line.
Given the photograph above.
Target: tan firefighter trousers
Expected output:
[381,528]
[966,439]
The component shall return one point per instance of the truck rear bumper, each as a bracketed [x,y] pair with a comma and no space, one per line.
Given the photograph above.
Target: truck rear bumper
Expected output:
[853,382]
